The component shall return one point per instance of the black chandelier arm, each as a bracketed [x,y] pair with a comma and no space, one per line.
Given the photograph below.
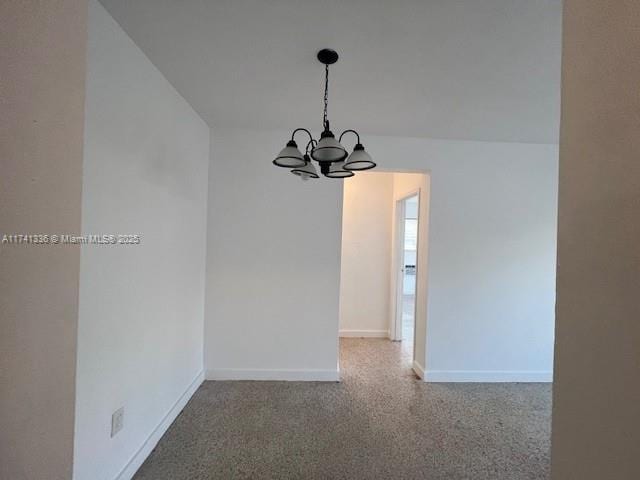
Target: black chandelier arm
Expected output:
[301,130]
[313,144]
[350,131]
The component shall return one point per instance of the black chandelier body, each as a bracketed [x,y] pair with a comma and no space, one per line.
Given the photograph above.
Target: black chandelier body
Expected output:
[331,156]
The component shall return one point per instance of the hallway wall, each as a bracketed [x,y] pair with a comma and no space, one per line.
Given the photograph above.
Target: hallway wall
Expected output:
[141,306]
[596,391]
[42,90]
[274,259]
[273,264]
[492,241]
[365,273]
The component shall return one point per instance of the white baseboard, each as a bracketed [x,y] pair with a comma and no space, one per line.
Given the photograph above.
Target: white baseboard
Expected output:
[418,369]
[152,440]
[274,375]
[488,376]
[364,333]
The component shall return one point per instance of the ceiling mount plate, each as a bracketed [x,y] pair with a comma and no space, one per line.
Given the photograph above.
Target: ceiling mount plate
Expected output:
[327,56]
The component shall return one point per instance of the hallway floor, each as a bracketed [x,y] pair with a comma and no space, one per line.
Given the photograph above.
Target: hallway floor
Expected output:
[380,422]
[408,312]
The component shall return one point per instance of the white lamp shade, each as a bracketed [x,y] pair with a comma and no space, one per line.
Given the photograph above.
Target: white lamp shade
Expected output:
[329,150]
[290,157]
[359,160]
[337,171]
[308,171]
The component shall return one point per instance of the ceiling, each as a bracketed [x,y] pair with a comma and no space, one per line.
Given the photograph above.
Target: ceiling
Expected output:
[484,70]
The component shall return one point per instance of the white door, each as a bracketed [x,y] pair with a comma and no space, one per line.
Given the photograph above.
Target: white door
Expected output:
[405,261]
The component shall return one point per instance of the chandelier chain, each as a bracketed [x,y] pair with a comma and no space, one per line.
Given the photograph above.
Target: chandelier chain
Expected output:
[325,119]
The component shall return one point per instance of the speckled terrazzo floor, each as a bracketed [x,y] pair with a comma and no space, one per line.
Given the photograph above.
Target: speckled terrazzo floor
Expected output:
[380,422]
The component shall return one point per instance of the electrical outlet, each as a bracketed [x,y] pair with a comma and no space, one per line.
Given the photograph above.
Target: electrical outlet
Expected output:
[117,421]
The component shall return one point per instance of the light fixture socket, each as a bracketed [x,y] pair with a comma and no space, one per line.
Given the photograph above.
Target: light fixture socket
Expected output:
[327,133]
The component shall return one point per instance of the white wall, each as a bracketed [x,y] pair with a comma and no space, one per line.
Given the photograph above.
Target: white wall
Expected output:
[491,254]
[366,255]
[596,402]
[141,306]
[492,239]
[273,264]
[43,58]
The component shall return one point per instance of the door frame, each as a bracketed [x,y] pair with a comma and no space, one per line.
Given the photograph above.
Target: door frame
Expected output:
[397,275]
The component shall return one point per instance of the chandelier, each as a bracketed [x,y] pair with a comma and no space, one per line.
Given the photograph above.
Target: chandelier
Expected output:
[332,157]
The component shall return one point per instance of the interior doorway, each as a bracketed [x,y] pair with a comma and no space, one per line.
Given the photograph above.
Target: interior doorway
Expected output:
[407,255]
[383,271]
